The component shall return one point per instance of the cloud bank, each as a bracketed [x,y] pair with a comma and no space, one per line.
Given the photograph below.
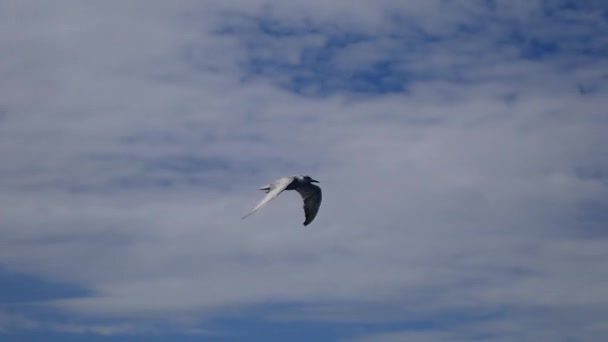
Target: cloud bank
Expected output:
[460,148]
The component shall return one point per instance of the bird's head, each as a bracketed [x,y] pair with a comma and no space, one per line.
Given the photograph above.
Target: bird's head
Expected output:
[309,179]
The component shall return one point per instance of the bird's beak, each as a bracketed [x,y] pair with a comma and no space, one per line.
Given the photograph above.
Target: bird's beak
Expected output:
[314,181]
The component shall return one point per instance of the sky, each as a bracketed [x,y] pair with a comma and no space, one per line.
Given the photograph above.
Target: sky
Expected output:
[460,146]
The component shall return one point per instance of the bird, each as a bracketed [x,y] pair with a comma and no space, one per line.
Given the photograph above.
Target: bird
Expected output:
[311,194]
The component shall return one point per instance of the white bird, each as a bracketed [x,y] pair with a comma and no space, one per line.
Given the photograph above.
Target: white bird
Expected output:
[311,194]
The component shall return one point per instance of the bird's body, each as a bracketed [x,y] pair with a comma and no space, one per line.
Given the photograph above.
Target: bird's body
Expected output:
[311,194]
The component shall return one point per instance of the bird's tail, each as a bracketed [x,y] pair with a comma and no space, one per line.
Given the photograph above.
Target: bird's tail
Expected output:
[265,188]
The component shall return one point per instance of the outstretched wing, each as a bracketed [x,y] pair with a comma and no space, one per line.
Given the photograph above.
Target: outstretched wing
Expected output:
[274,190]
[311,194]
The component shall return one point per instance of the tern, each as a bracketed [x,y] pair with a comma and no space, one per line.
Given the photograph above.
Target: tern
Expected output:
[311,194]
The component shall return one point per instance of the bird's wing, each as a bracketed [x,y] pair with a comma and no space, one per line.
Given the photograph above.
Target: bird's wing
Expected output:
[275,189]
[311,194]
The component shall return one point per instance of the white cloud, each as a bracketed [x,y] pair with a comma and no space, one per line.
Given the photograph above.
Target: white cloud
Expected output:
[461,194]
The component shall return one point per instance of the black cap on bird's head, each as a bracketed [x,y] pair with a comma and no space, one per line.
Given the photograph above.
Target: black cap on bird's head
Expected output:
[309,179]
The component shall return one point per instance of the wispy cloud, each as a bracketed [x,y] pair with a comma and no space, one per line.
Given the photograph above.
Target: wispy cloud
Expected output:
[460,147]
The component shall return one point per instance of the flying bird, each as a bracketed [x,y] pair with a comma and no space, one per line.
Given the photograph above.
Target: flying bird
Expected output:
[311,194]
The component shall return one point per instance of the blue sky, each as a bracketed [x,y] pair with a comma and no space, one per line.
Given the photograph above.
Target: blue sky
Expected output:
[460,146]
